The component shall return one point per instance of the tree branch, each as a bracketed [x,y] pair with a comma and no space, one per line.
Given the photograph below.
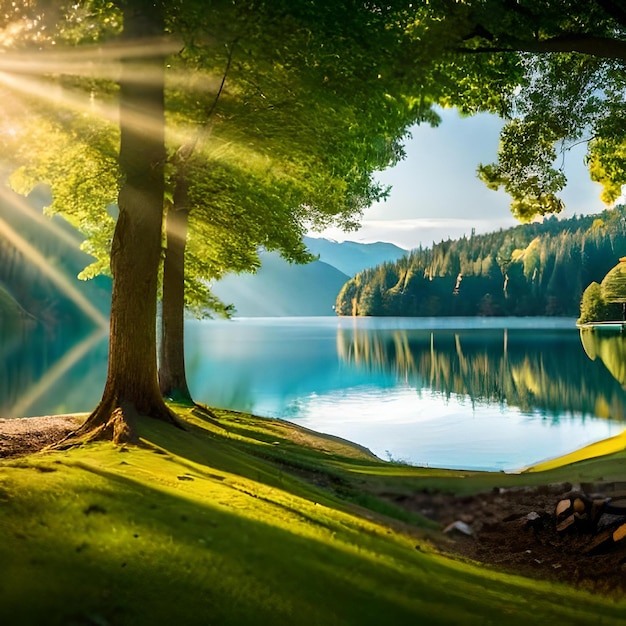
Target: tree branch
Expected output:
[601,47]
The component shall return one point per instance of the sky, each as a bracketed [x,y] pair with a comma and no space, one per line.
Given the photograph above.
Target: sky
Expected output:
[436,193]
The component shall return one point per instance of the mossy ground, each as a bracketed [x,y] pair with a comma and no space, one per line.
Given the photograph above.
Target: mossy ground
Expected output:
[241,520]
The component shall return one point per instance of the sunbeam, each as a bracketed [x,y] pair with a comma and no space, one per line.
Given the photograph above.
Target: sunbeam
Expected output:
[20,203]
[83,103]
[59,280]
[54,373]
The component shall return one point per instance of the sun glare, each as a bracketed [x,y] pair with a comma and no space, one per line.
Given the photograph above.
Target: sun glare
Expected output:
[60,281]
[20,203]
[55,372]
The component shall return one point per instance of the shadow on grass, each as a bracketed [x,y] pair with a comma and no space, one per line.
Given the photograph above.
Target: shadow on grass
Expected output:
[101,548]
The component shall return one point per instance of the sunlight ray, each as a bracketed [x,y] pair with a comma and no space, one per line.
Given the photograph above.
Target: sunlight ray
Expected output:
[58,279]
[22,205]
[54,373]
[82,61]
[83,103]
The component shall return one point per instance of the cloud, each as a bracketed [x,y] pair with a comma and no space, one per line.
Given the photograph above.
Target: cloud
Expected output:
[411,233]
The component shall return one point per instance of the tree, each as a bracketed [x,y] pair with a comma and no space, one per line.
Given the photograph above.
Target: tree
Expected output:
[594,308]
[131,388]
[613,286]
[571,91]
[378,65]
[312,172]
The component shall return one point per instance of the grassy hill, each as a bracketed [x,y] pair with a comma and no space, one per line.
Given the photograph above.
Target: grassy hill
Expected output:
[241,520]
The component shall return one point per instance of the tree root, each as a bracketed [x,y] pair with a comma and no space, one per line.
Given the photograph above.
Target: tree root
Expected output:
[116,422]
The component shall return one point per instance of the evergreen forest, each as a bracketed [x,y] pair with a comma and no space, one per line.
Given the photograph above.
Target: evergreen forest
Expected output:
[533,269]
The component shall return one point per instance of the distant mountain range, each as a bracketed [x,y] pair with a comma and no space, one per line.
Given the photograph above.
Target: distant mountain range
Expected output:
[280,289]
[40,259]
[351,257]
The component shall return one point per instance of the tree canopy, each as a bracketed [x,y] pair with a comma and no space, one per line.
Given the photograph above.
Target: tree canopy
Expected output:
[571,91]
[259,120]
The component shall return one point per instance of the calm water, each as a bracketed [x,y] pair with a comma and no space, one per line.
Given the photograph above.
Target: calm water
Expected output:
[466,393]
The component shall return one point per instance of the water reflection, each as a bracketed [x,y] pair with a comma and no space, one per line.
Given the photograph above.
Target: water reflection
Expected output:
[50,369]
[462,395]
[609,346]
[533,370]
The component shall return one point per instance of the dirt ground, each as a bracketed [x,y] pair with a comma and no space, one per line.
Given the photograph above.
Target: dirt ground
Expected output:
[31,434]
[512,530]
[515,530]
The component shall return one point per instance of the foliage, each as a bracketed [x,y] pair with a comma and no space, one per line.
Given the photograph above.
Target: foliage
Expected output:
[571,92]
[613,286]
[533,269]
[594,308]
[76,158]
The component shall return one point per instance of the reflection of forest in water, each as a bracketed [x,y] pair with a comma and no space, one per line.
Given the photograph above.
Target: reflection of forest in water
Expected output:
[50,369]
[535,370]
[609,347]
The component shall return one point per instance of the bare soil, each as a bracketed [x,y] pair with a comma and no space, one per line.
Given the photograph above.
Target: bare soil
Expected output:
[512,530]
[27,435]
[508,535]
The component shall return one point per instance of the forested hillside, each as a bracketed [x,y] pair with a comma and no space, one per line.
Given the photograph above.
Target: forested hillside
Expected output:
[531,269]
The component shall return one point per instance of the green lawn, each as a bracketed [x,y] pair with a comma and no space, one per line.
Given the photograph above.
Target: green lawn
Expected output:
[244,521]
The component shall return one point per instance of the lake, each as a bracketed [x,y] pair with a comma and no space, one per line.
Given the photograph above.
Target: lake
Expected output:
[473,393]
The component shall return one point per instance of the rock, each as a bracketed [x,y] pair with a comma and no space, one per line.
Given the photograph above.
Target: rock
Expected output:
[533,520]
[610,521]
[458,528]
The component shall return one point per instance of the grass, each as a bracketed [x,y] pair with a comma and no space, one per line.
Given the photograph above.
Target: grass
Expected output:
[242,520]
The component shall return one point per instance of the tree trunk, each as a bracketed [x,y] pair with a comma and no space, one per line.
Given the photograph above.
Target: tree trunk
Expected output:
[172,376]
[131,388]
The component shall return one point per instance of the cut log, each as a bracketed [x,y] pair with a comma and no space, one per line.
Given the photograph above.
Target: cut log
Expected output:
[563,507]
[599,542]
[597,508]
[616,506]
[579,505]
[619,533]
[566,523]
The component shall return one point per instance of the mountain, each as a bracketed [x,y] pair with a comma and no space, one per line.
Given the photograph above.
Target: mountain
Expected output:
[351,257]
[40,259]
[531,269]
[280,289]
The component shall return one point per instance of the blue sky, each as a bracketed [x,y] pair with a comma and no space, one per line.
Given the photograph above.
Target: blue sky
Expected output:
[436,193]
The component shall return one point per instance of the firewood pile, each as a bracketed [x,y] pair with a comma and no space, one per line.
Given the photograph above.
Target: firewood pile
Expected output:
[598,510]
